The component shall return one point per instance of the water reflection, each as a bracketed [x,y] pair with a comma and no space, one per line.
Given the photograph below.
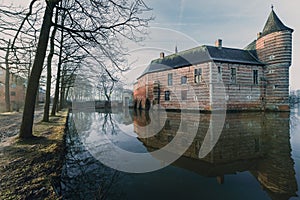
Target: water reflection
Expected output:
[84,177]
[255,142]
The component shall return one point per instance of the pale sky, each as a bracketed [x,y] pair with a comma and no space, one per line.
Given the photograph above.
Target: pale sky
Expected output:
[235,21]
[190,23]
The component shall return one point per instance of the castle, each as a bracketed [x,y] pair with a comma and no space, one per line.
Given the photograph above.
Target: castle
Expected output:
[253,78]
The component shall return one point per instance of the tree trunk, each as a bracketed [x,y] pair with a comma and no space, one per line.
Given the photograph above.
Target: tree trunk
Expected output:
[49,73]
[37,96]
[7,76]
[56,95]
[67,93]
[62,92]
[33,83]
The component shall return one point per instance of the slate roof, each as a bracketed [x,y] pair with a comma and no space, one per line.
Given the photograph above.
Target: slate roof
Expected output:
[203,54]
[274,24]
[251,46]
[232,55]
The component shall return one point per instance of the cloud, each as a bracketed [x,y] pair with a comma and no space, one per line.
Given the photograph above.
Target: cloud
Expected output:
[235,21]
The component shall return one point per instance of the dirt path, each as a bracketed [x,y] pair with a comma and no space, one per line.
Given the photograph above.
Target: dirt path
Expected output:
[10,123]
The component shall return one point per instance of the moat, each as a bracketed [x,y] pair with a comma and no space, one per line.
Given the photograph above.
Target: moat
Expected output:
[256,156]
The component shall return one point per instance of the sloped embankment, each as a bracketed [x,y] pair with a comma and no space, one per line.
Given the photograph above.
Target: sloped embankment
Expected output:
[29,167]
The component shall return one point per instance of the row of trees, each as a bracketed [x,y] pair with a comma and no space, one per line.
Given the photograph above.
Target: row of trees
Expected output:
[16,45]
[72,37]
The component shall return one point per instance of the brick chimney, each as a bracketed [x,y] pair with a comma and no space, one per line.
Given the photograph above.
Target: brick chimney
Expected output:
[219,43]
[162,55]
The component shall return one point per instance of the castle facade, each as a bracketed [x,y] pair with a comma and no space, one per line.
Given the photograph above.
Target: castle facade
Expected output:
[253,78]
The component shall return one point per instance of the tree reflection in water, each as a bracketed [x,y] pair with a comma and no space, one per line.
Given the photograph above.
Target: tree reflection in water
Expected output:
[258,143]
[84,177]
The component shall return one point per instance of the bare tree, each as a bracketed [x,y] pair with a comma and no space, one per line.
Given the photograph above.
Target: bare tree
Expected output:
[73,59]
[49,72]
[70,57]
[33,82]
[58,75]
[17,49]
[107,85]
[7,77]
[94,23]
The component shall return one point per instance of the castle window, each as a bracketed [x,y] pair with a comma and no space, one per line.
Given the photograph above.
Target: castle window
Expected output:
[272,57]
[183,80]
[233,75]
[13,93]
[170,79]
[184,95]
[167,95]
[255,77]
[13,85]
[219,74]
[198,75]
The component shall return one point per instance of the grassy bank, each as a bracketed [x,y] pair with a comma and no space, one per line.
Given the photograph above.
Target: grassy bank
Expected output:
[28,168]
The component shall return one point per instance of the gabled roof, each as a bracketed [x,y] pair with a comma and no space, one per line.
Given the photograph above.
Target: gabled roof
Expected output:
[274,24]
[202,54]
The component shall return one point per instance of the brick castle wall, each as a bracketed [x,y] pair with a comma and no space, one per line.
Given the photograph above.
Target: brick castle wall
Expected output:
[275,49]
[241,95]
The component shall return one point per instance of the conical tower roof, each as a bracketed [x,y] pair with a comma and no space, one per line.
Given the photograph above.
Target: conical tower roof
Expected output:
[274,24]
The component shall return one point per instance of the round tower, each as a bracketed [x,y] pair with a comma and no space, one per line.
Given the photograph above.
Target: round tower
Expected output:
[274,48]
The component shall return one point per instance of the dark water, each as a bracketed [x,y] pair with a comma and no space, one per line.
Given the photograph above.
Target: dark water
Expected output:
[257,156]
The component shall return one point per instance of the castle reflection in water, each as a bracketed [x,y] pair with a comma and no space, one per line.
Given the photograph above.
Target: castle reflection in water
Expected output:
[254,142]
